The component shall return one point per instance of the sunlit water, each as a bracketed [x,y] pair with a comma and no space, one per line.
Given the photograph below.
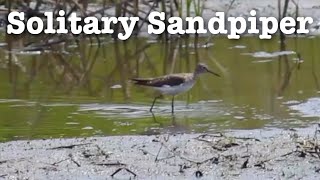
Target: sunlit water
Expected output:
[76,91]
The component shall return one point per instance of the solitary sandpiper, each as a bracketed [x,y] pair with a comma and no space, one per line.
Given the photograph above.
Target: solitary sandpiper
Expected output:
[173,84]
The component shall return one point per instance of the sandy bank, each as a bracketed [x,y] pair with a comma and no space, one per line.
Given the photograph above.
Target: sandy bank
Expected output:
[260,154]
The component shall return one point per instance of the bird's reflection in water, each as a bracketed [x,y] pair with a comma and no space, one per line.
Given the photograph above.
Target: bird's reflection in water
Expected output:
[172,128]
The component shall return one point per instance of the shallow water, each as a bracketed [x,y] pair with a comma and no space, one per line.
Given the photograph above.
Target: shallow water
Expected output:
[71,90]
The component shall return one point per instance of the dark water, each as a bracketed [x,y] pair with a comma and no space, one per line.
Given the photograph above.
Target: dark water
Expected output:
[82,89]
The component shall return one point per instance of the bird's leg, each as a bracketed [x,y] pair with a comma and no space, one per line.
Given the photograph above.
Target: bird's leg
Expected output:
[153,117]
[154,101]
[172,105]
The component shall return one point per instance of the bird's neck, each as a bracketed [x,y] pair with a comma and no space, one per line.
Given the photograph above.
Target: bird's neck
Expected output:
[195,75]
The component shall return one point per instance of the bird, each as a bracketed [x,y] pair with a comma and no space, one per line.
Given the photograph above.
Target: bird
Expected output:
[173,84]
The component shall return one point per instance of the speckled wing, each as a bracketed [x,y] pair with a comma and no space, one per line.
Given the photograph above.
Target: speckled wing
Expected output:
[169,80]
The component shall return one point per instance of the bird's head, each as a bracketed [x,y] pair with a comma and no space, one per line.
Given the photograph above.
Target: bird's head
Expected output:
[203,68]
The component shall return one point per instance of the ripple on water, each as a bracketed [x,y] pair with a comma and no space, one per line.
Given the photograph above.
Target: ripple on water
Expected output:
[263,54]
[199,109]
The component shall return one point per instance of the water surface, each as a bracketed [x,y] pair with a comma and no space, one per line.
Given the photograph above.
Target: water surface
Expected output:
[82,88]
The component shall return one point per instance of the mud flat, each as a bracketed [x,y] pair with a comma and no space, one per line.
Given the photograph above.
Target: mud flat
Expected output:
[258,154]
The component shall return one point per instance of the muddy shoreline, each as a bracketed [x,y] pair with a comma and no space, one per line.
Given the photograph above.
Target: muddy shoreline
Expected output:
[262,154]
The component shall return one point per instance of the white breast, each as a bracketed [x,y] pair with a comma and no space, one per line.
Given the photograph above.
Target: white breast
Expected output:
[173,90]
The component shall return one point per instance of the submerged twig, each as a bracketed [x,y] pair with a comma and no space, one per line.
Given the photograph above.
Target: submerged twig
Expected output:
[68,146]
[120,169]
[111,164]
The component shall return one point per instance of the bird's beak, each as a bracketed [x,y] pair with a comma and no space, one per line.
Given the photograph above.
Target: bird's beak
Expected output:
[216,74]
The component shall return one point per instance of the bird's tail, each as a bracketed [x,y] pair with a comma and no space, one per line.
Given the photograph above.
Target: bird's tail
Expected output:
[141,81]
